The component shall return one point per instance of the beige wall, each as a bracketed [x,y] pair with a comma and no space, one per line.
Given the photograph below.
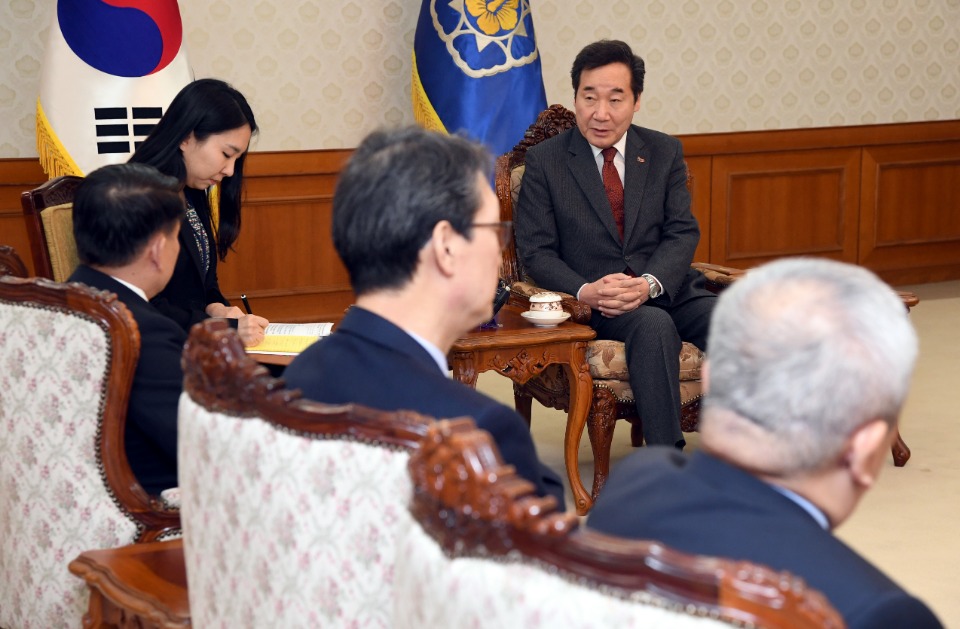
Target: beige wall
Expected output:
[320,74]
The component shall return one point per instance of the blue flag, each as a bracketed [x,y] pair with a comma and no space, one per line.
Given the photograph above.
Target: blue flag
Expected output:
[476,70]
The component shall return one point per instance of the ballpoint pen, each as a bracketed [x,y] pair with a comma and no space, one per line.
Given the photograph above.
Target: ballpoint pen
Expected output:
[246,304]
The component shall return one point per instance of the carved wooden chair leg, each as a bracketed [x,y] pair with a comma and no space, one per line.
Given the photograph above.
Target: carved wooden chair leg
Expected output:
[636,432]
[901,453]
[690,416]
[522,401]
[600,424]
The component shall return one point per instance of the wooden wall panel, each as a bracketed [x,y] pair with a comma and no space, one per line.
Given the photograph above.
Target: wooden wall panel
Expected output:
[284,259]
[910,211]
[769,205]
[699,169]
[17,175]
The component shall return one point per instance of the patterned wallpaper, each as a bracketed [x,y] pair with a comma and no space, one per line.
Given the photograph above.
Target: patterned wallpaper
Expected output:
[321,73]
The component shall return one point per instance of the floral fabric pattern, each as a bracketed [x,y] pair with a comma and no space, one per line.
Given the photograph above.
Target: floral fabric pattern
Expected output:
[608,360]
[53,501]
[434,590]
[282,530]
[690,390]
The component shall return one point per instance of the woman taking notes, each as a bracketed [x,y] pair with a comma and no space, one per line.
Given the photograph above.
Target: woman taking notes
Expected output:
[202,140]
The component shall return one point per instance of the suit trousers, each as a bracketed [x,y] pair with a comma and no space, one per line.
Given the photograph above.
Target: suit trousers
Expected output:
[652,335]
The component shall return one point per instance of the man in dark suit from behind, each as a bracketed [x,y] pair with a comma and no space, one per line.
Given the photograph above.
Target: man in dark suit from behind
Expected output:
[126,218]
[417,227]
[629,260]
[810,363]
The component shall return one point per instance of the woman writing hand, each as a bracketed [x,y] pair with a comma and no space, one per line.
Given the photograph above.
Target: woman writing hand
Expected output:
[249,326]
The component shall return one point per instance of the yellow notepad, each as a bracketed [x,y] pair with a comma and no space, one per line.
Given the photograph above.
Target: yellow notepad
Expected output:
[290,338]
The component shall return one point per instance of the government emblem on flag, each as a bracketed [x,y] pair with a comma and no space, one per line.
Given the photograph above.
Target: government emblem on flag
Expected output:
[109,71]
[476,70]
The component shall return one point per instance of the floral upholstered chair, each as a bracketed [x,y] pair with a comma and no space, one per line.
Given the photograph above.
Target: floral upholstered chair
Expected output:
[48,214]
[484,551]
[67,357]
[613,398]
[291,509]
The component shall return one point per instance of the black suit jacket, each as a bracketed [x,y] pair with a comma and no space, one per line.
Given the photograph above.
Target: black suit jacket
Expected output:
[700,504]
[186,295]
[565,230]
[151,430]
[370,361]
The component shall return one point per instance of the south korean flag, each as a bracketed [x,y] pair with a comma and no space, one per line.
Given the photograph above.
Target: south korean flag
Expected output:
[110,69]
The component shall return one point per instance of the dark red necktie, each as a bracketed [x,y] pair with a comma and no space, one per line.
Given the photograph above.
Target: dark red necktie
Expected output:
[613,186]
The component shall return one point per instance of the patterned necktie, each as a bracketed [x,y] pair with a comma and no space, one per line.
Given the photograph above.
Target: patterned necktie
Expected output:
[613,186]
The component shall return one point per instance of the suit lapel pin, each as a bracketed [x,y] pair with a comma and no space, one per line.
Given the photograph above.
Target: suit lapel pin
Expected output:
[641,160]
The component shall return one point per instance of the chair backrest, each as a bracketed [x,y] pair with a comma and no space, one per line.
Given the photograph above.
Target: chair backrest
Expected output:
[67,359]
[485,551]
[10,262]
[48,213]
[508,173]
[291,509]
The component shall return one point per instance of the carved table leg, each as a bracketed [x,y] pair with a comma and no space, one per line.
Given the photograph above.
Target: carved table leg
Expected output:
[600,426]
[523,402]
[464,368]
[581,385]
[901,453]
[95,616]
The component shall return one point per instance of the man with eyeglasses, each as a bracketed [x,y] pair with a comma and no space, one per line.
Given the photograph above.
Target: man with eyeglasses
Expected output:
[415,222]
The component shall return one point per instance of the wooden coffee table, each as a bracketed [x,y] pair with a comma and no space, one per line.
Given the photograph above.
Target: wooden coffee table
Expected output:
[520,351]
[142,585]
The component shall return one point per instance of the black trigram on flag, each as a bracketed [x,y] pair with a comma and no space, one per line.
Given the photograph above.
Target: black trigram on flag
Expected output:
[119,127]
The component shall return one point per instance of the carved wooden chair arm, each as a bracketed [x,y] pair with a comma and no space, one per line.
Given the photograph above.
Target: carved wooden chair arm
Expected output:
[520,293]
[909,299]
[718,277]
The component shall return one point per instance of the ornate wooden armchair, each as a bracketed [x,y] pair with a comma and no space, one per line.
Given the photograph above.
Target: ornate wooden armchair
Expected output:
[67,359]
[485,551]
[10,262]
[48,213]
[291,509]
[612,396]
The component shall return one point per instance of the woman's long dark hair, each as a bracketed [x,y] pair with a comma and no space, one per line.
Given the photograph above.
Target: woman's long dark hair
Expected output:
[203,108]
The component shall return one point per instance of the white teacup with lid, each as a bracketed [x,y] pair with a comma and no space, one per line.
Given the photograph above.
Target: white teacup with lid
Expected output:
[546,310]
[545,302]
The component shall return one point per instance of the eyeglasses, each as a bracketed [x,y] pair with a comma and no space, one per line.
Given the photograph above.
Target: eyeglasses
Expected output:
[504,231]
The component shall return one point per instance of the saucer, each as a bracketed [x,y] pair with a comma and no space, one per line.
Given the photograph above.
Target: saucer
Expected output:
[542,319]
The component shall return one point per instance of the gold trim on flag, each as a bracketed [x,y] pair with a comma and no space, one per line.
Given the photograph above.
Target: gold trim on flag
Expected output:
[213,200]
[423,111]
[54,157]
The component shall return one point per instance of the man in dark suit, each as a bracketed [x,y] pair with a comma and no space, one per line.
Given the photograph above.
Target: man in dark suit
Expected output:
[810,362]
[416,225]
[125,221]
[604,214]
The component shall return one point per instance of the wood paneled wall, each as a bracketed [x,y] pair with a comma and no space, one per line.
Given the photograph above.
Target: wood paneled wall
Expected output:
[884,196]
[284,259]
[17,175]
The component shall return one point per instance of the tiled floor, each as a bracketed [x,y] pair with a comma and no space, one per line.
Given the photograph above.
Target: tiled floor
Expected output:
[906,524]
